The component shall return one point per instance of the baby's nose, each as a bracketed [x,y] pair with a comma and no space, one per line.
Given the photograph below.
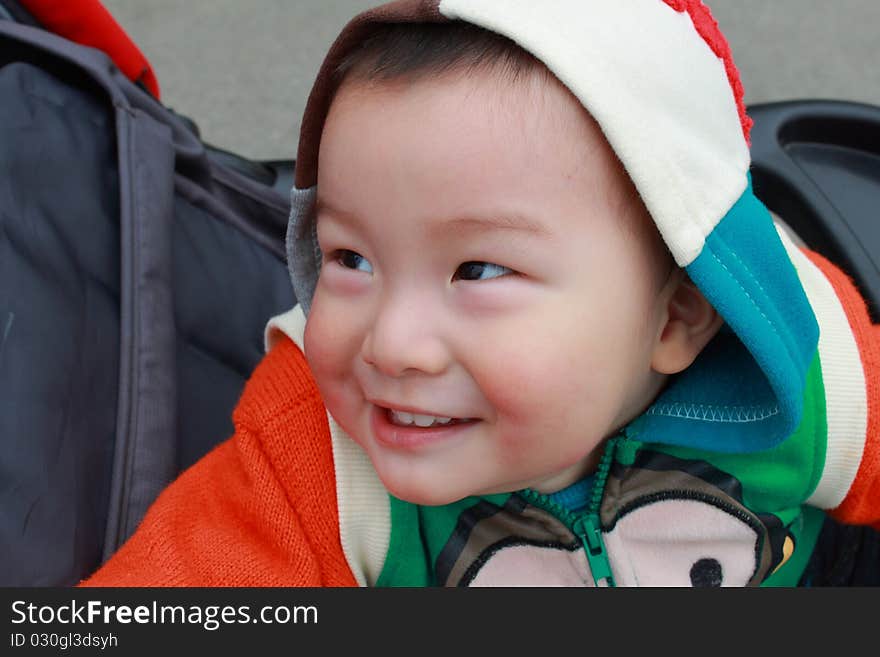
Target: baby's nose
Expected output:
[404,339]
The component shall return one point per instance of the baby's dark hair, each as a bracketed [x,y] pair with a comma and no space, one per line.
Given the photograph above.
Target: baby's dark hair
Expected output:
[406,51]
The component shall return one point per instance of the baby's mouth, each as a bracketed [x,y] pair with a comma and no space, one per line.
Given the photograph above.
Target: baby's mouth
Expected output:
[404,419]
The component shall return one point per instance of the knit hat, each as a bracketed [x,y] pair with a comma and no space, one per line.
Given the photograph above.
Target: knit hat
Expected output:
[659,79]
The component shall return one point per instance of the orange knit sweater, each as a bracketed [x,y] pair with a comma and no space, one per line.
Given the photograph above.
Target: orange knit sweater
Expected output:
[260,509]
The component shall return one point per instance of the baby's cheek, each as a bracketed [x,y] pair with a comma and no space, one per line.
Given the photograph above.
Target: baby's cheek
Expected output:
[519,381]
[327,348]
[330,365]
[547,378]
[315,344]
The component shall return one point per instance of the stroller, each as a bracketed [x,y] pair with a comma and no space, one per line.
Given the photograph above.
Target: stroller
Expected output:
[125,240]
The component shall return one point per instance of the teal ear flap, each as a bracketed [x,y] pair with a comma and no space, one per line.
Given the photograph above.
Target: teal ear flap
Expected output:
[745,392]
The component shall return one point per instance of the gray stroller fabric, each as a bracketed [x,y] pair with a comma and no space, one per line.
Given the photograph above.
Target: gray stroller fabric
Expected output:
[137,272]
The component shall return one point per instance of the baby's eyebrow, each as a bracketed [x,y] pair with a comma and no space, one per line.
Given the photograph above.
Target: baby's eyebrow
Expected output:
[322,207]
[500,221]
[505,221]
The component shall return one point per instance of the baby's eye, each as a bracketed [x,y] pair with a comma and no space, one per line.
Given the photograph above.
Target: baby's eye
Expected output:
[479,271]
[353,260]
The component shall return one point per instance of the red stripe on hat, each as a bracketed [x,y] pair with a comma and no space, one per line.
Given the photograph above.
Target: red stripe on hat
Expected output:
[708,29]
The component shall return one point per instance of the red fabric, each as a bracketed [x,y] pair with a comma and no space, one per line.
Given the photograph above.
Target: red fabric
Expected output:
[708,29]
[861,505]
[259,510]
[87,22]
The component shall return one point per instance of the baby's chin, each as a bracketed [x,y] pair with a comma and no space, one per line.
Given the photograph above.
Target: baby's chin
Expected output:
[420,491]
[423,491]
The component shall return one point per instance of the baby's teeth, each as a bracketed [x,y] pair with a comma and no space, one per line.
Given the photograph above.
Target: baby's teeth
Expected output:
[423,420]
[403,417]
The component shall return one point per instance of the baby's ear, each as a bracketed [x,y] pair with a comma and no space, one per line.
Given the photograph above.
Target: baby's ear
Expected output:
[691,322]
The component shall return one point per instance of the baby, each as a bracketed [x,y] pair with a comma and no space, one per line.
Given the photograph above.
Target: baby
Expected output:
[547,335]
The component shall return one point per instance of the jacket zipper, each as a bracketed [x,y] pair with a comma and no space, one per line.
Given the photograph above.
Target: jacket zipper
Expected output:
[586,526]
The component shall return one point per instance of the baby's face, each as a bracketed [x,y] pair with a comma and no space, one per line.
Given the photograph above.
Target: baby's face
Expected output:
[487,306]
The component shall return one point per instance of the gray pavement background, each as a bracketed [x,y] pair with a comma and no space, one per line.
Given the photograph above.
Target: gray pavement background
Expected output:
[242,69]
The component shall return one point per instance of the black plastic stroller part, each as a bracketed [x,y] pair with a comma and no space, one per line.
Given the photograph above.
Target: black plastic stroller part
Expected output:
[817,165]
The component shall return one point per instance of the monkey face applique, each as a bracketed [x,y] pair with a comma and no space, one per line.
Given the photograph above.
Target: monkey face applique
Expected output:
[672,523]
[515,545]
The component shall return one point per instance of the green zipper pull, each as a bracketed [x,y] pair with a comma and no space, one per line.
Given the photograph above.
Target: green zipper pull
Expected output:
[587,530]
[587,527]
